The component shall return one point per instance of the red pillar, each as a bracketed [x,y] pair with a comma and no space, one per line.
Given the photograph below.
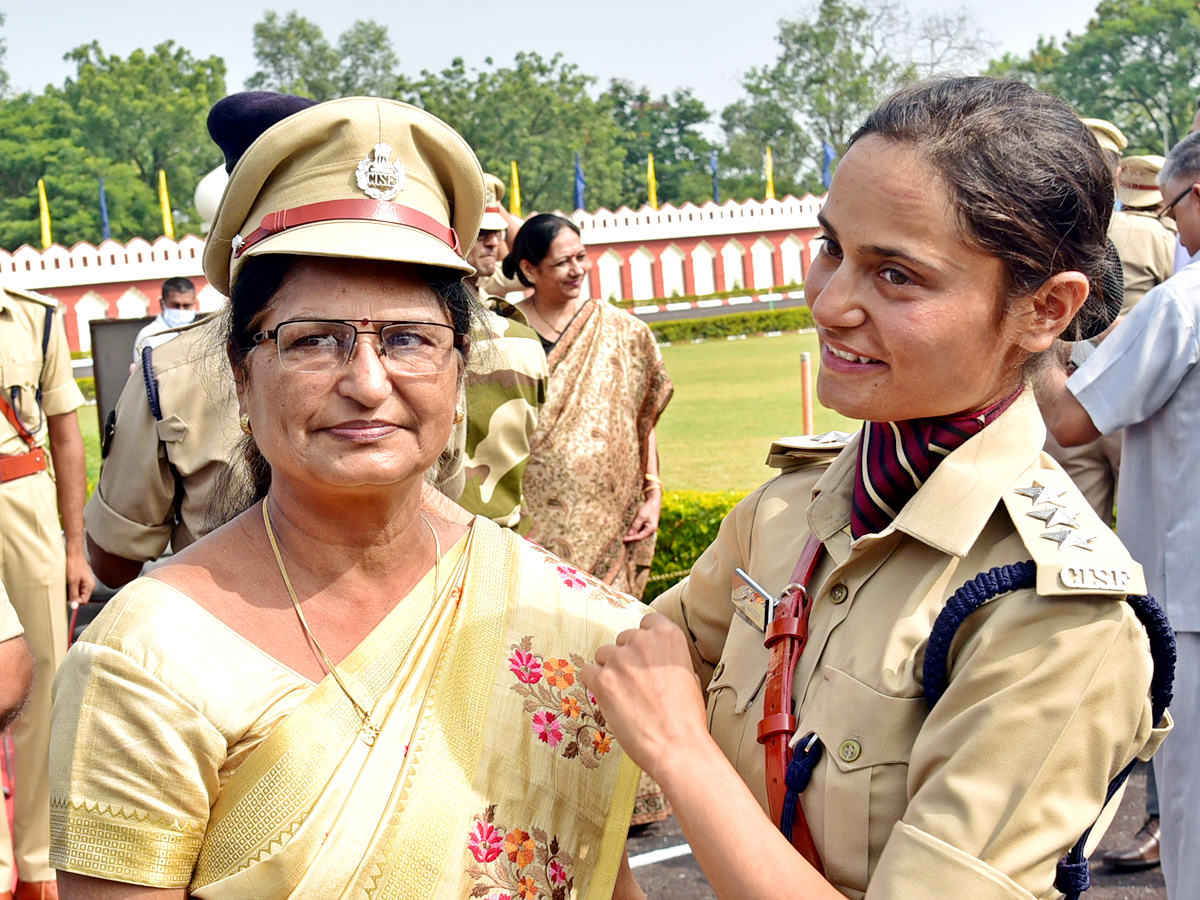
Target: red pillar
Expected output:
[777,257]
[719,271]
[656,274]
[626,275]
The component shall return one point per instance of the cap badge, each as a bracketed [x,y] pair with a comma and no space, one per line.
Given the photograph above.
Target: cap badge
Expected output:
[378,177]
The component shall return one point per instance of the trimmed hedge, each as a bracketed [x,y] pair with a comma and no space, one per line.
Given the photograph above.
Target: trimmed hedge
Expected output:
[732,324]
[688,524]
[716,295]
[88,387]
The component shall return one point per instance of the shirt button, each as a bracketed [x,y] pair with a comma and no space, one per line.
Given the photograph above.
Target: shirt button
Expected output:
[839,593]
[850,750]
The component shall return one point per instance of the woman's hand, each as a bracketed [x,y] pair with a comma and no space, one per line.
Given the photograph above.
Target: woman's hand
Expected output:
[648,692]
[645,523]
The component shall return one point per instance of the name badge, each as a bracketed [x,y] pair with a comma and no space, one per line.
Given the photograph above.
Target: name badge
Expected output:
[1095,578]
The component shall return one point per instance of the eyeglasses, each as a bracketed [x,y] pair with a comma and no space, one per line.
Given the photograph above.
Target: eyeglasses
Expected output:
[325,345]
[1170,206]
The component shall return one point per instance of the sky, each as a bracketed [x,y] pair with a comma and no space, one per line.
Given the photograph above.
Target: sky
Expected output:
[664,44]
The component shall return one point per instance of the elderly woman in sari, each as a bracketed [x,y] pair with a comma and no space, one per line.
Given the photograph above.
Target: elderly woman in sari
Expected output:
[592,484]
[337,694]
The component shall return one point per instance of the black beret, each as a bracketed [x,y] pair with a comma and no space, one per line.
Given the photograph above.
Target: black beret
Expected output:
[235,122]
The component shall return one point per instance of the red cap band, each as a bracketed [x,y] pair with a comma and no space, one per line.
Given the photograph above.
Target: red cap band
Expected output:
[354,210]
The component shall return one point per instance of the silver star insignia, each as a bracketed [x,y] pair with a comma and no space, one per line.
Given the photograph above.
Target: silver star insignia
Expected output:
[832,437]
[1054,516]
[1066,539]
[1039,493]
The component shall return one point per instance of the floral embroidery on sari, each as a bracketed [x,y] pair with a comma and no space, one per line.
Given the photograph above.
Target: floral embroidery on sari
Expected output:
[563,712]
[515,864]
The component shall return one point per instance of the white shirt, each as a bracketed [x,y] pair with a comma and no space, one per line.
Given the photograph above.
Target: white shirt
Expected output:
[1144,378]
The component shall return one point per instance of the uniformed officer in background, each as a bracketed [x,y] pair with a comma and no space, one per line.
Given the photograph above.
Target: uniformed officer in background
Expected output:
[1146,246]
[505,386]
[38,399]
[173,449]
[16,665]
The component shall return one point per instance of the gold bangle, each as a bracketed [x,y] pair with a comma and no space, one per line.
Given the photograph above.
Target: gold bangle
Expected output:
[651,487]
[652,479]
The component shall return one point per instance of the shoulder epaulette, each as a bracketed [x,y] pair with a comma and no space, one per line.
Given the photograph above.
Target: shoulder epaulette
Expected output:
[31,295]
[803,451]
[1075,552]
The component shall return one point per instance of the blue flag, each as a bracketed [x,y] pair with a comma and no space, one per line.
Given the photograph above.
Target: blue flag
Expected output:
[712,164]
[104,210]
[827,171]
[580,183]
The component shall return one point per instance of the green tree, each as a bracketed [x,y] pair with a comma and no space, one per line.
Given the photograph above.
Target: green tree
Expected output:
[368,63]
[835,64]
[538,112]
[120,119]
[667,126]
[34,144]
[295,57]
[1136,64]
[4,82]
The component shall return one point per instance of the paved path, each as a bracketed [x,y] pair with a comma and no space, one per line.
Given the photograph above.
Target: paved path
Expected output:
[677,877]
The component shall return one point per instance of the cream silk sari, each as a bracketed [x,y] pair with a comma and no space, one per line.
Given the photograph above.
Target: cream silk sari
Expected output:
[493,774]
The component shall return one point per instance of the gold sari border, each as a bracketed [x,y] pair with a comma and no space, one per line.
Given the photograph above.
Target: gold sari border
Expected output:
[119,845]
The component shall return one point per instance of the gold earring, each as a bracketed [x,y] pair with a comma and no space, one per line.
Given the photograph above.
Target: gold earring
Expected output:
[244,421]
[459,415]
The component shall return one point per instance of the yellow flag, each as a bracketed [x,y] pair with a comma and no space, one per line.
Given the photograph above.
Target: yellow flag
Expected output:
[164,200]
[770,176]
[653,182]
[44,213]
[514,193]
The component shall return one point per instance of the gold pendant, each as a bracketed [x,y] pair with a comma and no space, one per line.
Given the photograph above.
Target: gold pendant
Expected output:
[369,732]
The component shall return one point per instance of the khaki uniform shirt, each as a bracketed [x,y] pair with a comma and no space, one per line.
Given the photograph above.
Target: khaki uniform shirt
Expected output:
[506,384]
[1047,699]
[10,625]
[1146,246]
[159,477]
[22,367]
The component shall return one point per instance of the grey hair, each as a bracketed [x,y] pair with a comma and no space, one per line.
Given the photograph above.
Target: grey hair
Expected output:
[1183,162]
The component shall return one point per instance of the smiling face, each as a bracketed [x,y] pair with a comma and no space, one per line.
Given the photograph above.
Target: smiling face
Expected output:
[362,425]
[558,278]
[908,310]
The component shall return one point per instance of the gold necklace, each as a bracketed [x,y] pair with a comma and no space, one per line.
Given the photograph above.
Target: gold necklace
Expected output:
[557,331]
[369,731]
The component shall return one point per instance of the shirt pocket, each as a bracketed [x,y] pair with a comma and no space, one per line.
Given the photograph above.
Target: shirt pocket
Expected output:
[862,782]
[25,377]
[735,698]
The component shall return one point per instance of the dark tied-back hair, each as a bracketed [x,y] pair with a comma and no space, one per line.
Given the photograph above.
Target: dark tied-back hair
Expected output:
[1028,181]
[532,243]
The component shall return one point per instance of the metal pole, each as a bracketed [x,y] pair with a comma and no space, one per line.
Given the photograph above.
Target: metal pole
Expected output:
[806,391]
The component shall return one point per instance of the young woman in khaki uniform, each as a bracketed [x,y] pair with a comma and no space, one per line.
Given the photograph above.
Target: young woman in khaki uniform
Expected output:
[964,232]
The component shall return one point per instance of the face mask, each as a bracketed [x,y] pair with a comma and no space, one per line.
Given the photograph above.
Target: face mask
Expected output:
[177,318]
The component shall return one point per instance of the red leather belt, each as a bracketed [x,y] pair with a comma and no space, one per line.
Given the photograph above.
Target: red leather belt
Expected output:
[786,636]
[22,464]
[14,467]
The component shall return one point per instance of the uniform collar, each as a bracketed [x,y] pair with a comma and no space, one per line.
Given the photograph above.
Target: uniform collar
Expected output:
[953,506]
[5,301]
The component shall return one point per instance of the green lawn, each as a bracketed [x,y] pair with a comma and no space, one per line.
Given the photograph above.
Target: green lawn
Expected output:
[90,426]
[732,398]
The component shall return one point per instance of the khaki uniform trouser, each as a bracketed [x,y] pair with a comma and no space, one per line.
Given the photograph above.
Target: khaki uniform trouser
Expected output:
[33,569]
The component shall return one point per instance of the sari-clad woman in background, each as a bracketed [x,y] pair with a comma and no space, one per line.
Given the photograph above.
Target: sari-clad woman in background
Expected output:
[592,485]
[338,694]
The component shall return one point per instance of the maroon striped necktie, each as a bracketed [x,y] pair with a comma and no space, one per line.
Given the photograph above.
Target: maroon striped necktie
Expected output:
[896,458]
